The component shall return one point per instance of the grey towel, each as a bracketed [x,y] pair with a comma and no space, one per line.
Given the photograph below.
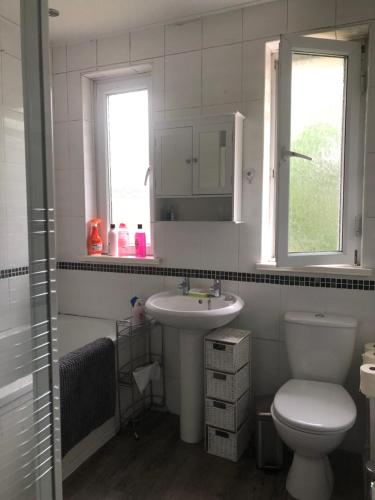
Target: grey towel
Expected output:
[87,390]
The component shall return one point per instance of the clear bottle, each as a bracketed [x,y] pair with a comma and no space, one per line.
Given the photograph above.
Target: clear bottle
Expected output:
[140,242]
[123,240]
[112,241]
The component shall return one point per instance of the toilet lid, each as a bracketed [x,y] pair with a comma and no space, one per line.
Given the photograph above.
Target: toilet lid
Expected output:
[315,406]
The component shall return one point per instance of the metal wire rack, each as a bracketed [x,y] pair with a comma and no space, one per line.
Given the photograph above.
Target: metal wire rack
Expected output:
[138,344]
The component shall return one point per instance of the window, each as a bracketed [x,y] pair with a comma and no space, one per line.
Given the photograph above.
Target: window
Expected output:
[122,126]
[315,124]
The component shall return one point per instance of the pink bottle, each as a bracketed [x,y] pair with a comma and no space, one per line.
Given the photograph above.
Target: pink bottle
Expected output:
[140,242]
[123,240]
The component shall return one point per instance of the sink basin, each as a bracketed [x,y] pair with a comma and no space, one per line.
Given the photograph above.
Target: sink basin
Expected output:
[193,317]
[192,313]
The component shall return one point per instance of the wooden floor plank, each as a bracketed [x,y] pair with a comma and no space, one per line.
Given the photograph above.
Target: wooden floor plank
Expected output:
[160,466]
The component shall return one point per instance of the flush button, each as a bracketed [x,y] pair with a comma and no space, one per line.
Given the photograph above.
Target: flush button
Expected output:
[320,315]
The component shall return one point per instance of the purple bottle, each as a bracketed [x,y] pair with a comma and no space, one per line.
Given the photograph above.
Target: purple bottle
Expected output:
[140,242]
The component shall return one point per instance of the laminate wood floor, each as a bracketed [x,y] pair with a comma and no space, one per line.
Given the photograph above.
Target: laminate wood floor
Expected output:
[160,467]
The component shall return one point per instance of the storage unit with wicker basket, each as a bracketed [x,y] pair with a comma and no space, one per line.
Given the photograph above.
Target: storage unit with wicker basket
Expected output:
[227,392]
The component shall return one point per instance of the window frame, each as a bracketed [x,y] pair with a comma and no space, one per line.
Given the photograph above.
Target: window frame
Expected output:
[352,168]
[102,89]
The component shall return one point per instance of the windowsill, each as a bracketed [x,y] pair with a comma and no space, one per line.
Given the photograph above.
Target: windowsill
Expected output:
[341,270]
[149,260]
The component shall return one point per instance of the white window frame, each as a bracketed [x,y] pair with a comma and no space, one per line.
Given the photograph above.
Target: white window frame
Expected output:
[353,171]
[103,88]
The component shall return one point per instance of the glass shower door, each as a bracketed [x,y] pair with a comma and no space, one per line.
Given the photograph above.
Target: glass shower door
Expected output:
[29,397]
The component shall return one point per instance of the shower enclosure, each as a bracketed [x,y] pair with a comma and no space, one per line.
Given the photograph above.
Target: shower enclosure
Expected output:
[29,390]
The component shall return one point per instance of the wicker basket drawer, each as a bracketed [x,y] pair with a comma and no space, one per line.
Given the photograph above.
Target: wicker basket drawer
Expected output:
[227,349]
[228,416]
[230,445]
[227,386]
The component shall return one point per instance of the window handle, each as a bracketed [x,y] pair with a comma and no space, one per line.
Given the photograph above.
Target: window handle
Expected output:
[148,171]
[294,154]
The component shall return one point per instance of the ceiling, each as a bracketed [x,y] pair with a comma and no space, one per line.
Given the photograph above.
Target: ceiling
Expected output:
[82,19]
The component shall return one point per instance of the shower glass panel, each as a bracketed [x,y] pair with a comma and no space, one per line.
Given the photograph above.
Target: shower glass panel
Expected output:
[29,436]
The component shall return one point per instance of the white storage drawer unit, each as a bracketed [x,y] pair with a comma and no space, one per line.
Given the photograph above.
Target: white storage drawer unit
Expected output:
[227,416]
[227,349]
[227,386]
[230,445]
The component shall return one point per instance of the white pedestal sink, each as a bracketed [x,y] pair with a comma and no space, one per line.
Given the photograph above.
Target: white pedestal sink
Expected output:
[194,317]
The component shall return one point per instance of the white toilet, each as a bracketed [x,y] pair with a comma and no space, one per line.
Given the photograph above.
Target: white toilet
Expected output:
[312,411]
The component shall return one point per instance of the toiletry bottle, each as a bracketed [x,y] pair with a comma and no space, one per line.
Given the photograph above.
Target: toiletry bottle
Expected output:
[138,310]
[140,242]
[112,241]
[123,240]
[94,241]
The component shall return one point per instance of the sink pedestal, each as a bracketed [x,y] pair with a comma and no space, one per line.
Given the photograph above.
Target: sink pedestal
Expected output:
[192,385]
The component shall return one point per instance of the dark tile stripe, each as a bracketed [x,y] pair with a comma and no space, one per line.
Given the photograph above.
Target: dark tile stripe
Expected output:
[13,271]
[273,279]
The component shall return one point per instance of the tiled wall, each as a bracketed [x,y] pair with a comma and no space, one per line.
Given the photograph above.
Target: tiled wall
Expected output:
[213,64]
[14,288]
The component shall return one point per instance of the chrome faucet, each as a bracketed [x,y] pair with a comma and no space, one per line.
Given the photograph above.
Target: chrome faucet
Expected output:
[215,290]
[184,286]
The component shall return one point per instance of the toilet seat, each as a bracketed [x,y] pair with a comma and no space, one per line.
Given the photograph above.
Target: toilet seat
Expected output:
[314,407]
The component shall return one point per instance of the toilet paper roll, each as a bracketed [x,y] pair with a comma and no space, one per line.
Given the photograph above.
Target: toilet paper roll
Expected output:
[368,357]
[370,346]
[367,374]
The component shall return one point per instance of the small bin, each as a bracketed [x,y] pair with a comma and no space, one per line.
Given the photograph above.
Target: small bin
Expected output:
[269,447]
[230,445]
[227,349]
[227,416]
[226,386]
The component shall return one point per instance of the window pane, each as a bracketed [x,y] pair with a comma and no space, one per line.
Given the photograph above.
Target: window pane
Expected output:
[317,116]
[128,156]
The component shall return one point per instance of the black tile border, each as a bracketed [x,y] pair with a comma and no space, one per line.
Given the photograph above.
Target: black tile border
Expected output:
[12,272]
[268,278]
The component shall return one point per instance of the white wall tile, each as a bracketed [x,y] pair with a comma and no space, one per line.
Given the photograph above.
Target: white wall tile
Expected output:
[147,43]
[10,10]
[268,19]
[254,53]
[178,243]
[60,98]
[222,29]
[114,49]
[265,367]
[60,145]
[81,293]
[183,80]
[59,59]
[75,142]
[261,312]
[74,95]
[304,14]
[370,124]
[157,77]
[221,67]
[369,242]
[219,245]
[12,82]
[183,37]
[369,185]
[13,137]
[349,11]
[10,37]
[90,194]
[81,55]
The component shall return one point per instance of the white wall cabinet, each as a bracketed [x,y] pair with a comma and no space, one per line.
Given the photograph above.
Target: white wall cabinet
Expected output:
[197,168]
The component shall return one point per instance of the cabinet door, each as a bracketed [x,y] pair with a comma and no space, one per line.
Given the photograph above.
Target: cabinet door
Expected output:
[213,159]
[173,161]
